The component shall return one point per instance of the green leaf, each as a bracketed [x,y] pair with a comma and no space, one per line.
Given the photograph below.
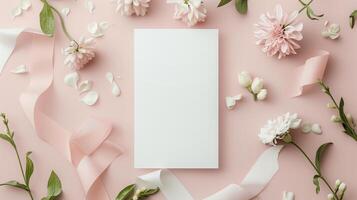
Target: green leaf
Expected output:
[16,185]
[126,193]
[315,180]
[54,186]
[29,168]
[223,2]
[319,155]
[353,18]
[148,192]
[242,6]
[47,20]
[7,138]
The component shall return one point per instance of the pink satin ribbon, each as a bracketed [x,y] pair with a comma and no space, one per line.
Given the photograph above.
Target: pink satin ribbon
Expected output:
[88,148]
[309,73]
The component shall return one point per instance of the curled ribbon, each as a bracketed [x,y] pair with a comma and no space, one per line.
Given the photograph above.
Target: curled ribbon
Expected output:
[87,149]
[254,182]
[309,73]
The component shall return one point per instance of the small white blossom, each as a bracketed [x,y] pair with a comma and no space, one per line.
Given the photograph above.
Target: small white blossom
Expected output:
[331,105]
[244,79]
[330,197]
[130,7]
[232,100]
[277,129]
[190,11]
[331,31]
[257,85]
[262,95]
[335,119]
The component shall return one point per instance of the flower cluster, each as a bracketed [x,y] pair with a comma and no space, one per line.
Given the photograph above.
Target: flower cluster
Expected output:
[278,128]
[78,54]
[190,11]
[130,7]
[331,31]
[278,34]
[255,87]
[340,189]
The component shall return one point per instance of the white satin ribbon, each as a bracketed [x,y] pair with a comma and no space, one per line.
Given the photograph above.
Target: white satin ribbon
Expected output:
[254,182]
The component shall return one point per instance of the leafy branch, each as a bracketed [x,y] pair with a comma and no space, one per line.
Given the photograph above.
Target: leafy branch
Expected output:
[309,11]
[337,193]
[131,192]
[346,121]
[241,5]
[54,183]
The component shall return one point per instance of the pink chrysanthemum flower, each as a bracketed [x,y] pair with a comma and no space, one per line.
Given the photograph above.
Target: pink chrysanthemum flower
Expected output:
[78,54]
[278,34]
[130,7]
[189,11]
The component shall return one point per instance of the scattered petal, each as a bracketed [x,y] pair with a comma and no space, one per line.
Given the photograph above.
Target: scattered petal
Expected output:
[84,86]
[90,98]
[306,128]
[288,196]
[115,89]
[109,76]
[16,12]
[231,101]
[90,6]
[65,11]
[21,69]
[72,79]
[25,4]
[98,29]
[316,128]
[104,25]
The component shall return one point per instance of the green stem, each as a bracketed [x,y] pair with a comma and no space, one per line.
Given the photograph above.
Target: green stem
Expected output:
[22,172]
[317,170]
[62,23]
[305,5]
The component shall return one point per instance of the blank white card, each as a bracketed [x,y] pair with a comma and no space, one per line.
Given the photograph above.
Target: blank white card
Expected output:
[176,98]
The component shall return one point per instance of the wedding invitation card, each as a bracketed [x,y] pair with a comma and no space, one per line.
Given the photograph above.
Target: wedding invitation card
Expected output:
[176,98]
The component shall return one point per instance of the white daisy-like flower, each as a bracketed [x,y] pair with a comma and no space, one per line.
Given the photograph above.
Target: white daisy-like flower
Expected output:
[190,11]
[78,54]
[130,7]
[278,128]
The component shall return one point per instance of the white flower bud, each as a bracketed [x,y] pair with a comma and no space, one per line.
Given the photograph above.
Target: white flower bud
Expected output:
[337,183]
[257,85]
[331,106]
[262,94]
[335,119]
[342,187]
[244,79]
[330,197]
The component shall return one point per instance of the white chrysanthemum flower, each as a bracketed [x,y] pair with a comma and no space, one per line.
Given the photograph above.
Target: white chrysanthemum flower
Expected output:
[276,129]
[78,54]
[130,7]
[190,11]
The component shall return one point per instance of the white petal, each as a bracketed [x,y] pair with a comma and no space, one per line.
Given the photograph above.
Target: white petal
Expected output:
[90,98]
[230,103]
[316,128]
[72,79]
[104,25]
[115,89]
[21,69]
[25,4]
[288,196]
[65,11]
[16,12]
[306,128]
[84,86]
[90,6]
[109,76]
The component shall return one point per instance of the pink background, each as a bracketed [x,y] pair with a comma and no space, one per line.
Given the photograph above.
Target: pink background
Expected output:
[239,145]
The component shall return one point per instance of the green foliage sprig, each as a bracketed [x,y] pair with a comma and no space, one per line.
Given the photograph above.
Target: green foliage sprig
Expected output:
[309,11]
[338,192]
[131,192]
[345,120]
[47,20]
[241,5]
[54,184]
[353,16]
